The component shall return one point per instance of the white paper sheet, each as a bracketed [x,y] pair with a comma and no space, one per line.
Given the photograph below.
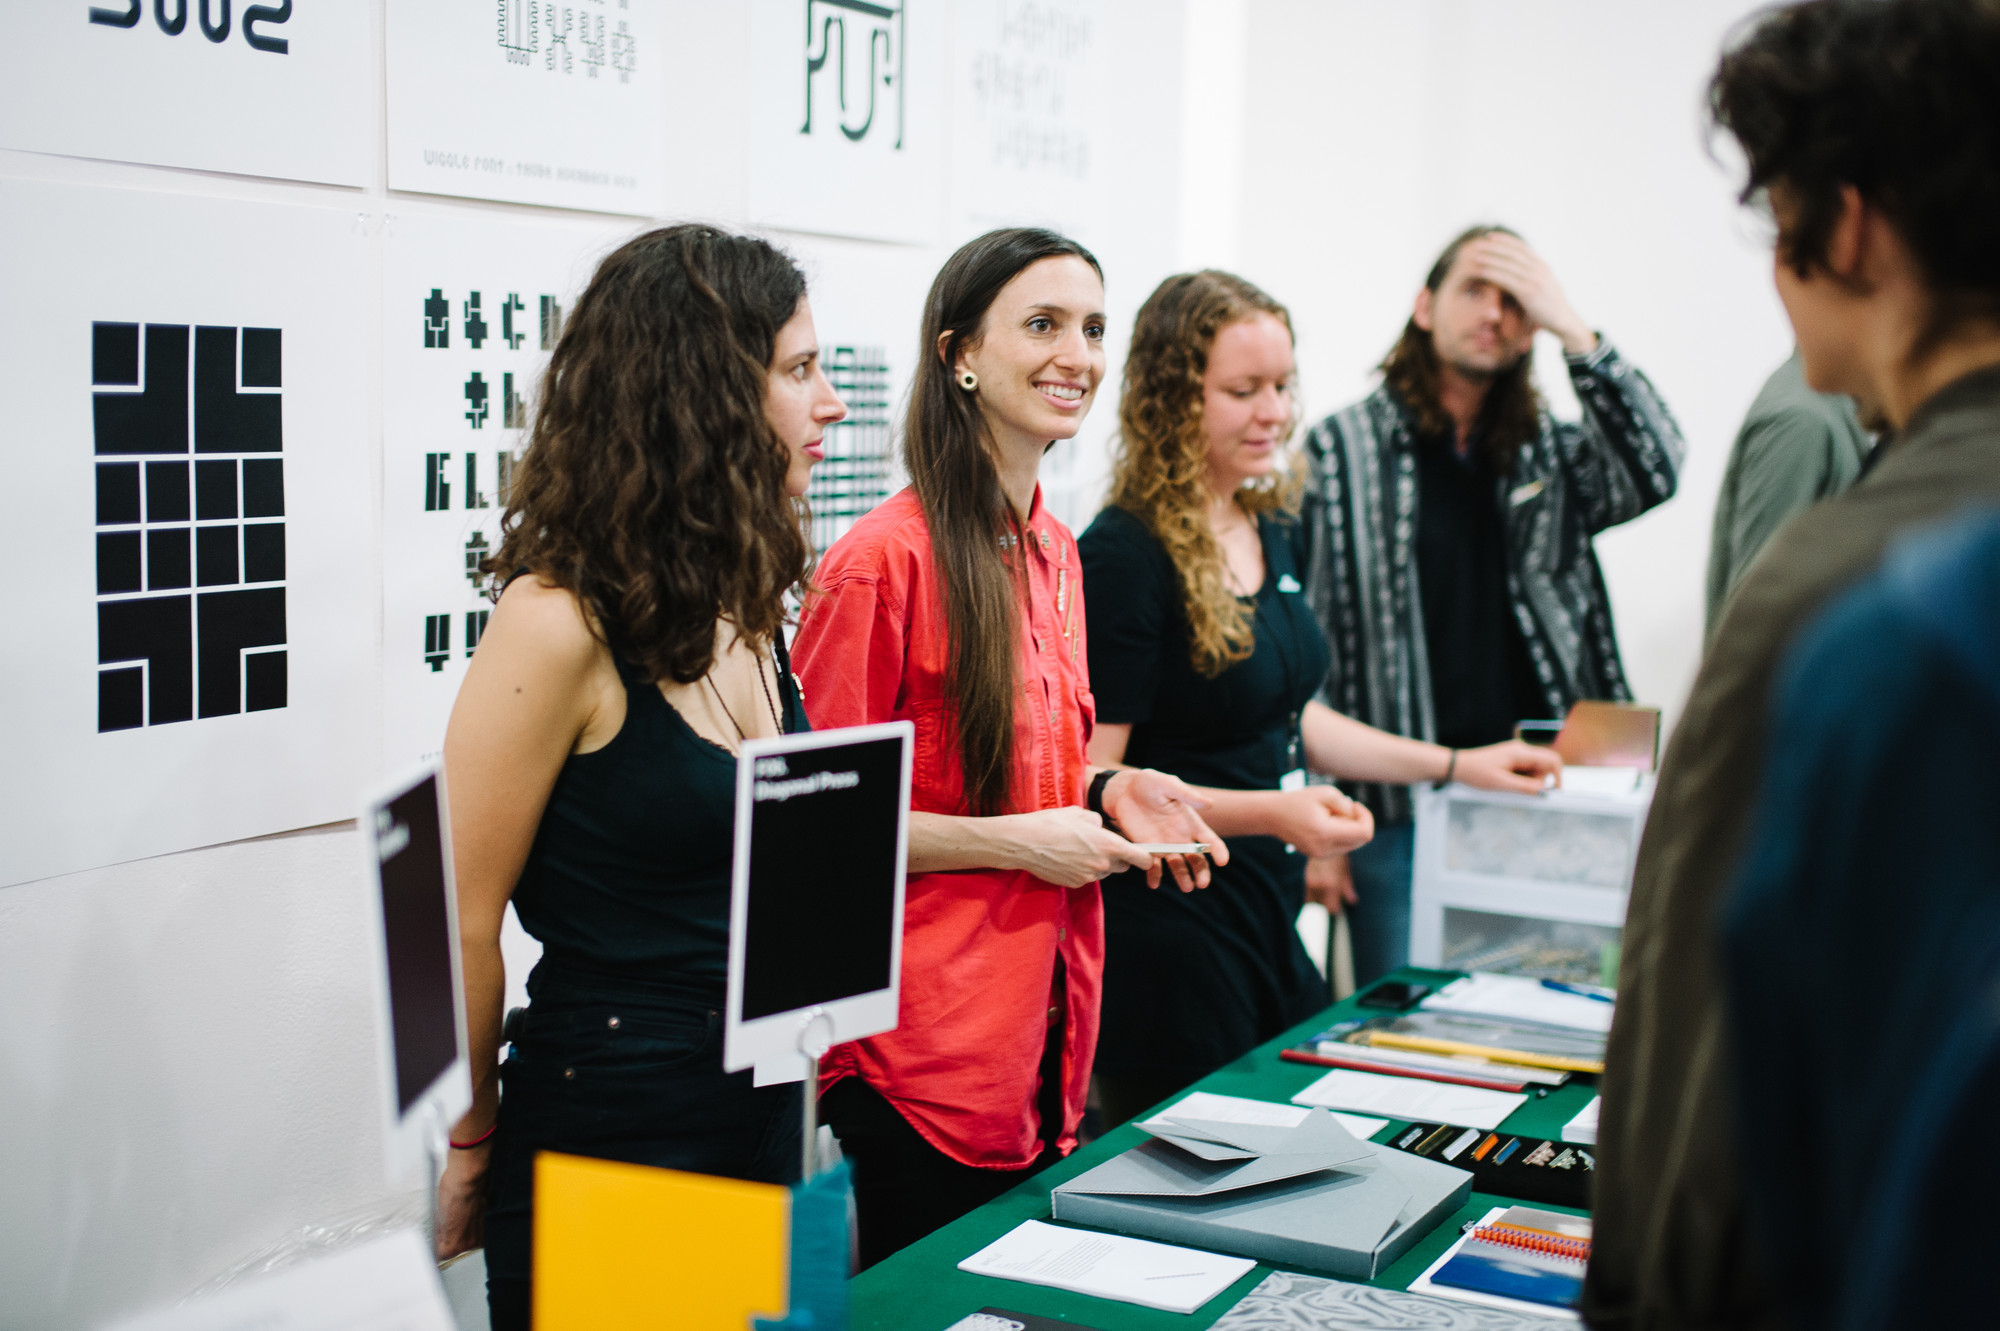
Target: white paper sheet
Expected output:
[1582,1130]
[389,1284]
[1108,1266]
[1514,998]
[1212,1108]
[1410,1099]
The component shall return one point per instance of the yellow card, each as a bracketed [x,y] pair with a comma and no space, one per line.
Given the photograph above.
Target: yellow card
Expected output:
[620,1245]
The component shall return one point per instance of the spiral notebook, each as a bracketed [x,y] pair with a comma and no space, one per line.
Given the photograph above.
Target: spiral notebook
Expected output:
[1517,1256]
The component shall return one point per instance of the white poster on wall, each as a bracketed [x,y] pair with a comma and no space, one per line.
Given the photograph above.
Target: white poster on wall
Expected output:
[866,303]
[530,101]
[847,117]
[190,642]
[470,311]
[252,89]
[1027,96]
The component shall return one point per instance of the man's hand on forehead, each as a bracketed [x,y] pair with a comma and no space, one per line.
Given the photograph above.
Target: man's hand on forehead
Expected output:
[1509,263]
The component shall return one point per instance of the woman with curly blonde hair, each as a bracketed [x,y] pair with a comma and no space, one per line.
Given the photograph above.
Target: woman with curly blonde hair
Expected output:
[1205,659]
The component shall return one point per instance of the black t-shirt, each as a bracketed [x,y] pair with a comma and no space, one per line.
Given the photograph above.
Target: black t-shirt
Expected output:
[1192,980]
[1481,679]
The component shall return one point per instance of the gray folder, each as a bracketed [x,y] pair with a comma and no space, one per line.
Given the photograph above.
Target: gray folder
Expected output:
[1309,1196]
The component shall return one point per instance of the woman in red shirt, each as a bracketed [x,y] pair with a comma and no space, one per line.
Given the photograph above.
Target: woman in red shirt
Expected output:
[957,604]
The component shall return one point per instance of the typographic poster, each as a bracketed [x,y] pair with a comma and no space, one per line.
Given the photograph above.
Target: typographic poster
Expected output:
[190,644]
[847,117]
[866,301]
[470,310]
[253,89]
[1027,81]
[556,102]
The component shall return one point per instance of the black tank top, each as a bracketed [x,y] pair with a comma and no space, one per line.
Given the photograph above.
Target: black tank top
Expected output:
[629,872]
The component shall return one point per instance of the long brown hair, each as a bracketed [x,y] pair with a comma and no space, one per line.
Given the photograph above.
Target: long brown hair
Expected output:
[975,537]
[653,486]
[1160,474]
[1512,412]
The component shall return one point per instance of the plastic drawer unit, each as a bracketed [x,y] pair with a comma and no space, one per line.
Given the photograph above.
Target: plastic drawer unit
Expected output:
[1530,885]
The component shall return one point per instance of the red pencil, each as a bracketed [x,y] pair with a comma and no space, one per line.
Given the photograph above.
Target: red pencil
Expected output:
[1399,1070]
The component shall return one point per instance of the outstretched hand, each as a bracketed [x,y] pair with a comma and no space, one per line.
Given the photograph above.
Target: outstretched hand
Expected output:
[1509,765]
[1151,806]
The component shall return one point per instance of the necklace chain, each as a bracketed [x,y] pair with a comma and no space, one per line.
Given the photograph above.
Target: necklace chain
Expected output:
[769,701]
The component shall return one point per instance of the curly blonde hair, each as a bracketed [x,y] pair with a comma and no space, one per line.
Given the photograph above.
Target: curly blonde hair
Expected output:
[1160,473]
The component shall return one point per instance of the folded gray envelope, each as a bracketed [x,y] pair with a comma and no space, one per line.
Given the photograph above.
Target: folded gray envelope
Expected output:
[1200,1158]
[1313,1195]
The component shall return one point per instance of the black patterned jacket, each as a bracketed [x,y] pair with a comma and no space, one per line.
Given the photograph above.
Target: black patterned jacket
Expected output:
[1570,482]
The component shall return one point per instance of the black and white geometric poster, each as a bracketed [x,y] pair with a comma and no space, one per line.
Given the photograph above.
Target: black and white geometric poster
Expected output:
[847,117]
[555,102]
[1028,80]
[470,312]
[190,645]
[262,89]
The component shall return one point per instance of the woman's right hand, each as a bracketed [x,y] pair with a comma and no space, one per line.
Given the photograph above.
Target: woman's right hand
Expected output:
[461,1202]
[1319,820]
[1069,846]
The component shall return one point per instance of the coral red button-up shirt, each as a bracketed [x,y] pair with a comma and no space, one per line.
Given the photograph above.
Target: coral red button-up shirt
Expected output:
[979,946]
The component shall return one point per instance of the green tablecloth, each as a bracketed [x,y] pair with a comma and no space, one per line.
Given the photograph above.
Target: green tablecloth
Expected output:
[922,1289]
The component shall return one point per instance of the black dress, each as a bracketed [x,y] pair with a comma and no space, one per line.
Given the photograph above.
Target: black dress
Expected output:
[619,1055]
[1195,979]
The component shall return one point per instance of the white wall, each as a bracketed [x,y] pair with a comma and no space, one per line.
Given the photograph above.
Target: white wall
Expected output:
[1376,132]
[188,1072]
[186,1067]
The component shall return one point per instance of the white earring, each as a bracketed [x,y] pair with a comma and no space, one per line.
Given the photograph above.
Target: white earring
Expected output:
[968,381]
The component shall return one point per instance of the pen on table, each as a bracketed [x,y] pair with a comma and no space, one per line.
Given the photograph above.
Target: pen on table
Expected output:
[1580,990]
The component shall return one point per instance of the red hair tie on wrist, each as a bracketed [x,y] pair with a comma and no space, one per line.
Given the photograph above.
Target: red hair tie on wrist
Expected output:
[480,1140]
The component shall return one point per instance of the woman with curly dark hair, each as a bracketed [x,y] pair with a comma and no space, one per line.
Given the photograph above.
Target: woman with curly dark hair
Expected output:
[956,604]
[1207,658]
[653,530]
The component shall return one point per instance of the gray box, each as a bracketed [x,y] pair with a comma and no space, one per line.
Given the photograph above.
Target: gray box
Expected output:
[1351,1221]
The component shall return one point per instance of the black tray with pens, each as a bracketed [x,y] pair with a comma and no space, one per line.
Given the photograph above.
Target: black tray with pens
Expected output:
[1534,1169]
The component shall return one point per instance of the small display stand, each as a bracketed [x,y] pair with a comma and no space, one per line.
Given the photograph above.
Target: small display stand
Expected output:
[1531,885]
[406,840]
[816,901]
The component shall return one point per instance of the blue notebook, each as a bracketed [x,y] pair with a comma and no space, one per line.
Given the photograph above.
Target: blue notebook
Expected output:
[1528,1254]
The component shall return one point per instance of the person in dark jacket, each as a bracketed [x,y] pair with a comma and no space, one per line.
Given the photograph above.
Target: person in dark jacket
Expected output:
[1872,127]
[1449,520]
[1881,771]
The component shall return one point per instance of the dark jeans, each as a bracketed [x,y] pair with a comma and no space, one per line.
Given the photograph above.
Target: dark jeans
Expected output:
[621,1070]
[904,1187]
[1122,1099]
[1378,926]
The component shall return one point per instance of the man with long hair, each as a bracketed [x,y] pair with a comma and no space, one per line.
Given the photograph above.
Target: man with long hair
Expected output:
[1449,518]
[1871,131]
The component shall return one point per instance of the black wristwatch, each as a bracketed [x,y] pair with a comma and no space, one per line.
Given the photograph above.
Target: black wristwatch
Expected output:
[1094,801]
